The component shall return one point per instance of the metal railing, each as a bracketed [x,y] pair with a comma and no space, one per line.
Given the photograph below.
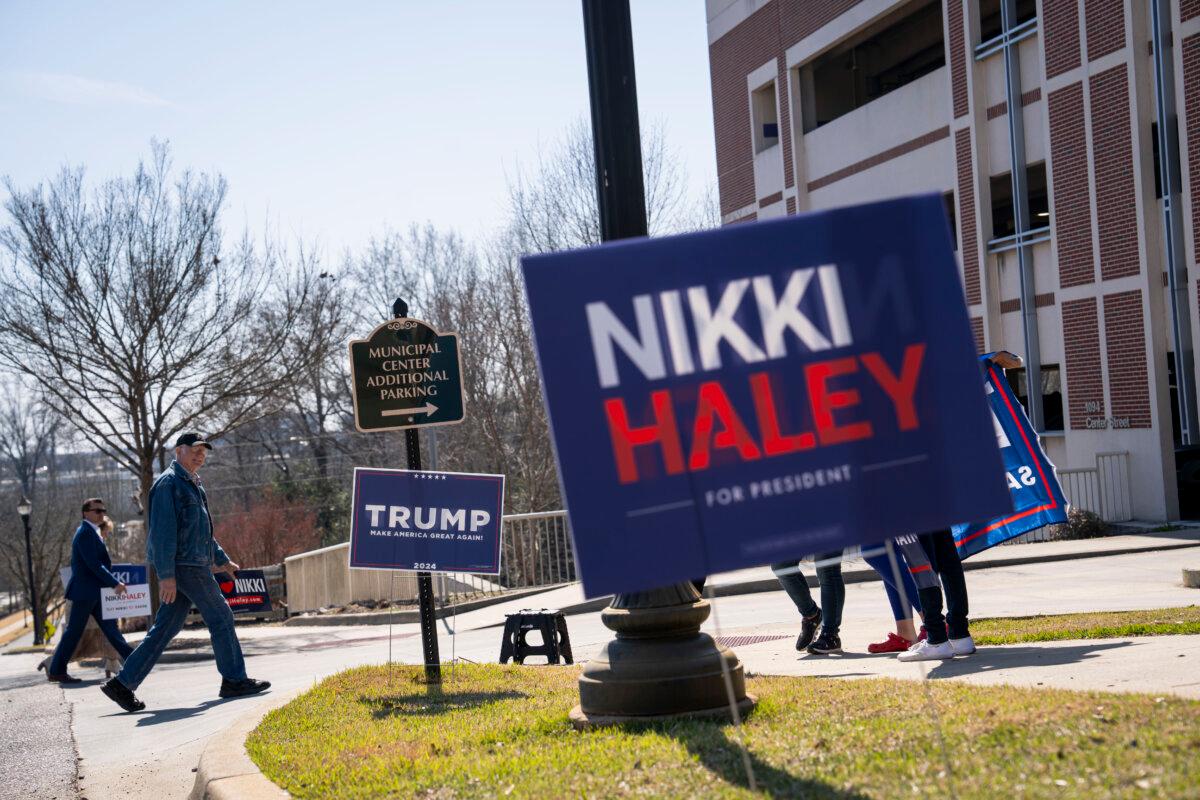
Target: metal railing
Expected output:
[1103,489]
[537,550]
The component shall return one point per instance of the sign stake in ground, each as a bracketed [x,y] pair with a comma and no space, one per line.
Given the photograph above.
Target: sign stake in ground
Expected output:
[406,376]
[429,642]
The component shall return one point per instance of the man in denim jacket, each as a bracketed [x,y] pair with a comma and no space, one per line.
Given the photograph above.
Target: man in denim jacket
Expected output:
[184,554]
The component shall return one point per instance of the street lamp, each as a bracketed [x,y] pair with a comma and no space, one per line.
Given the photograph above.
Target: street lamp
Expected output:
[660,664]
[25,508]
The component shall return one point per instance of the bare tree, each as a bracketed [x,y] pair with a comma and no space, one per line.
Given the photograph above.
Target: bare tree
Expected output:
[27,429]
[553,207]
[132,320]
[27,447]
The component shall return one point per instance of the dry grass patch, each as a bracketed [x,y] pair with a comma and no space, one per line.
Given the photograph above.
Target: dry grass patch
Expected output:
[1091,625]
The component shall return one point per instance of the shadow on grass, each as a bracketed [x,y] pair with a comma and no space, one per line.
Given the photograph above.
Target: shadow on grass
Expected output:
[721,755]
[434,701]
[713,744]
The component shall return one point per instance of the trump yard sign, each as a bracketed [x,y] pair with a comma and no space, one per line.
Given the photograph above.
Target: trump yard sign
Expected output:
[425,521]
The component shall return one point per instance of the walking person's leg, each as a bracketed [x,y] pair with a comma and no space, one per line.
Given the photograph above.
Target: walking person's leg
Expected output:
[200,585]
[796,585]
[76,623]
[205,592]
[111,632]
[833,597]
[167,624]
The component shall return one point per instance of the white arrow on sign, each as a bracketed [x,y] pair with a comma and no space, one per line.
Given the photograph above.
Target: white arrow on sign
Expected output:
[426,409]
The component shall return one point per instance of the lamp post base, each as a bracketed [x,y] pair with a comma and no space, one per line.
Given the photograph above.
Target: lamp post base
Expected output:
[660,665]
[582,721]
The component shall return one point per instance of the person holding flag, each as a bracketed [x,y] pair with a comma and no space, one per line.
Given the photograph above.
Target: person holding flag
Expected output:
[934,564]
[935,559]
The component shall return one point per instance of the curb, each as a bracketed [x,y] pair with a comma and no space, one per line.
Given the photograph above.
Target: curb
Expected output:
[411,617]
[225,771]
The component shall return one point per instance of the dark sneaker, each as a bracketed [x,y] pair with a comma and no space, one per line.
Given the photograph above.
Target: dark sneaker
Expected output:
[826,644]
[808,629]
[243,688]
[116,691]
[64,678]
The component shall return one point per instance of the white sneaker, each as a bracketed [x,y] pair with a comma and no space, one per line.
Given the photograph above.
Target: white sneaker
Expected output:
[924,651]
[963,647]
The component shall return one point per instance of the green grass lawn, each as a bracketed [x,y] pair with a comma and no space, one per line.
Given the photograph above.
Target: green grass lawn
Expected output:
[496,731]
[1092,625]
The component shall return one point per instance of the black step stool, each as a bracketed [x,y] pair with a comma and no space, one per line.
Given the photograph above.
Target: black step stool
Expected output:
[556,642]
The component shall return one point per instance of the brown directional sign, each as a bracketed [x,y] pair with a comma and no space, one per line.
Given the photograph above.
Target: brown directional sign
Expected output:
[406,375]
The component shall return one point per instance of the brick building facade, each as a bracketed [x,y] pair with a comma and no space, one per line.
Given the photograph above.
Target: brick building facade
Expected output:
[821,103]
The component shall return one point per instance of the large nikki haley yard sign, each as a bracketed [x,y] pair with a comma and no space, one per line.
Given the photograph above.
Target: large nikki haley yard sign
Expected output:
[737,397]
[1036,494]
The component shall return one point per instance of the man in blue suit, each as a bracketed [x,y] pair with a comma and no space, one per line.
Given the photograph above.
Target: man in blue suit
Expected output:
[91,570]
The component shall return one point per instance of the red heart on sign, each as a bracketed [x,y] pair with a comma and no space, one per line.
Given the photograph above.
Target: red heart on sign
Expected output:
[226,587]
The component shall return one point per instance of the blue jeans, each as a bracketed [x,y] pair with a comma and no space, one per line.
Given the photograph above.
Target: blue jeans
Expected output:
[943,556]
[76,623]
[833,589]
[796,585]
[833,592]
[193,585]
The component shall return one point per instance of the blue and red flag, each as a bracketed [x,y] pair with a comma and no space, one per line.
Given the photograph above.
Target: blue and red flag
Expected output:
[1036,494]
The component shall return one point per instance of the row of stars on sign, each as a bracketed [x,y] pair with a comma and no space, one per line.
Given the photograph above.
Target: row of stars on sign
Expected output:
[429,476]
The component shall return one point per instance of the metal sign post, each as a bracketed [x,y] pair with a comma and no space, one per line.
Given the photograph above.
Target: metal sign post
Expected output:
[429,642]
[406,375]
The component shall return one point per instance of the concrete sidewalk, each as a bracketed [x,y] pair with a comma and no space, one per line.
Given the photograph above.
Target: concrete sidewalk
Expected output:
[855,570]
[570,599]
[1157,664]
[151,754]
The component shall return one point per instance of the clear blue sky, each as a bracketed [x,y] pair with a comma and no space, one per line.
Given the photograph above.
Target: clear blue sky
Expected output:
[331,120]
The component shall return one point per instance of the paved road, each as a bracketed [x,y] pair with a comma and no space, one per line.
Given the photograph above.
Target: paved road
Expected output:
[152,754]
[37,754]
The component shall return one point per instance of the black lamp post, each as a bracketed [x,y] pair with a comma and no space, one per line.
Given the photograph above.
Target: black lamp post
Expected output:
[25,508]
[659,664]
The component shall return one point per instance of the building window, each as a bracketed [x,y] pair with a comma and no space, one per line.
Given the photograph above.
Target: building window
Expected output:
[897,51]
[1176,179]
[1004,221]
[951,217]
[1052,405]
[1173,391]
[990,24]
[766,118]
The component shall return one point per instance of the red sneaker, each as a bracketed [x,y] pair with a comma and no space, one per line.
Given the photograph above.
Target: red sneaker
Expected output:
[894,643]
